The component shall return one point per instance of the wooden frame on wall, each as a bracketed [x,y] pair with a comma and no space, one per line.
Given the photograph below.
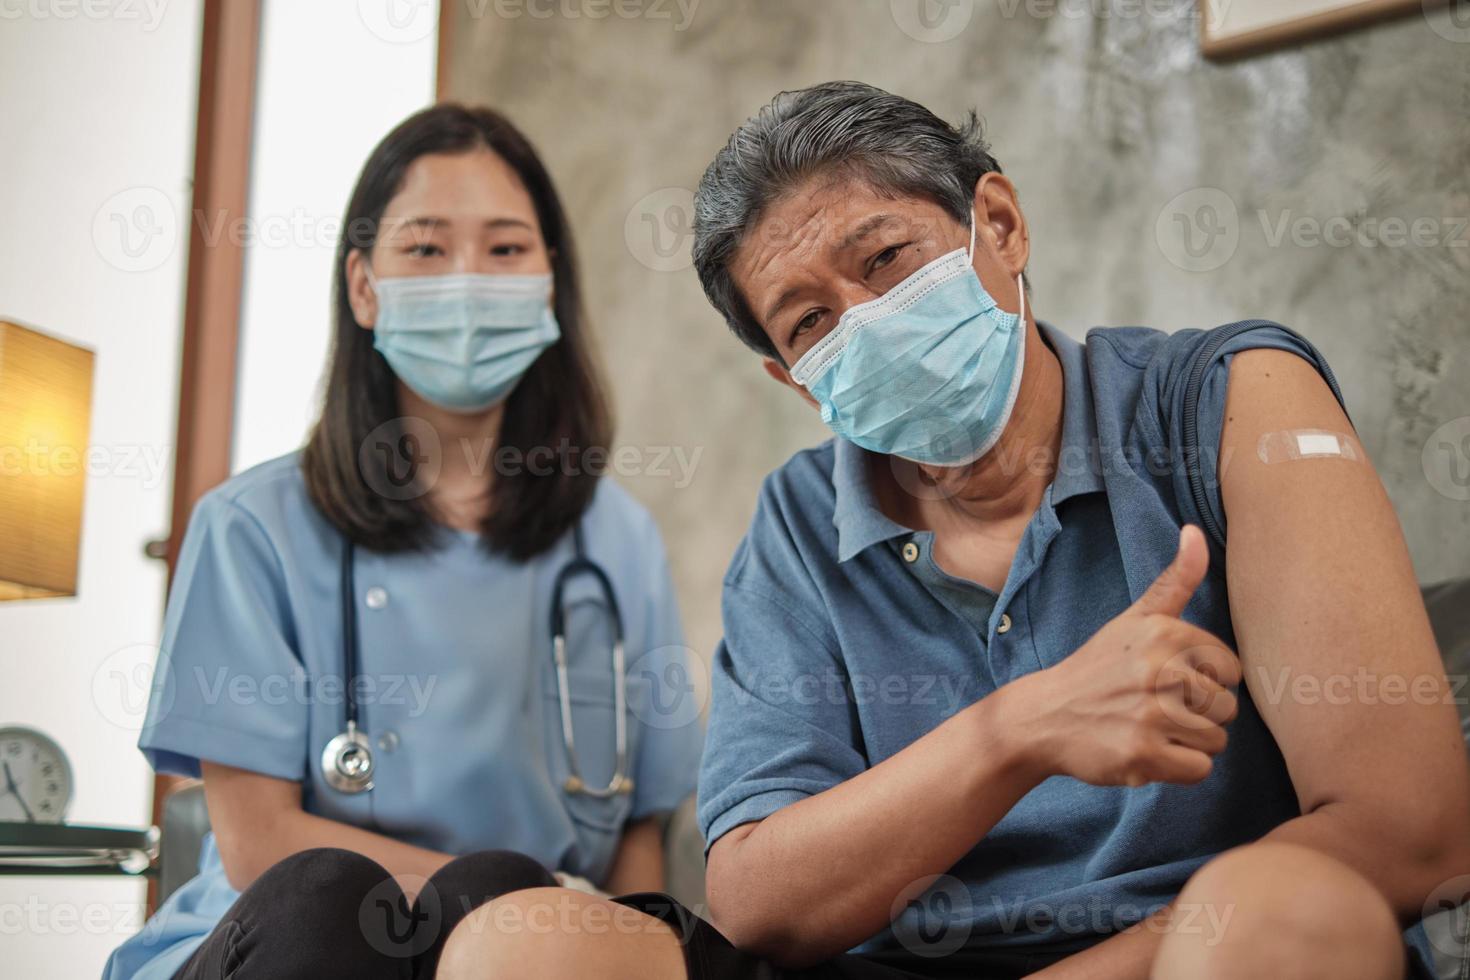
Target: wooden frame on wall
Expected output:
[1236,28]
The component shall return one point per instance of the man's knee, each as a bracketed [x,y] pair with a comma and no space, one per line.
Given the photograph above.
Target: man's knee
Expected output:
[1276,909]
[559,933]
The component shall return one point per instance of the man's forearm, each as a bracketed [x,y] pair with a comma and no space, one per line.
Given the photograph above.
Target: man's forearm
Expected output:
[819,876]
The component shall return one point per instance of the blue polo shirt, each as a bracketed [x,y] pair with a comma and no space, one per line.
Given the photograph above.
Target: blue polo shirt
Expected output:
[845,641]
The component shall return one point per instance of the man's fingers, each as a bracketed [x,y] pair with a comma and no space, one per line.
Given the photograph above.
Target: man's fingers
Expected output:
[1176,764]
[1194,699]
[1213,660]
[1170,592]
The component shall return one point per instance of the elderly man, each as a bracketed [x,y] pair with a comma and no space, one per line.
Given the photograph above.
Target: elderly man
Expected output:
[998,696]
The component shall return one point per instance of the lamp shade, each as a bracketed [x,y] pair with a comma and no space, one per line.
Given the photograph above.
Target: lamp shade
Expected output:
[45,407]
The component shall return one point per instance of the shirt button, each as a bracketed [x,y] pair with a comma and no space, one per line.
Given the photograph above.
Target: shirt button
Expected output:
[377,597]
[910,552]
[388,741]
[1004,626]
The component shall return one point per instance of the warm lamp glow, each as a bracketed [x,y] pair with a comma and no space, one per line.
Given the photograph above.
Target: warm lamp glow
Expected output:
[45,407]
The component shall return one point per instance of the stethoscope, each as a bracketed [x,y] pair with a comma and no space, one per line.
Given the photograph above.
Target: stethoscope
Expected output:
[347,761]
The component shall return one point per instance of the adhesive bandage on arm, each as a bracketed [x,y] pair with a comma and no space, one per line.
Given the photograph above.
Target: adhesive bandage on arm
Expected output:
[1290,444]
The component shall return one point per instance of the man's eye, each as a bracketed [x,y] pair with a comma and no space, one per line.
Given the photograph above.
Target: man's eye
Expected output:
[886,256]
[806,323]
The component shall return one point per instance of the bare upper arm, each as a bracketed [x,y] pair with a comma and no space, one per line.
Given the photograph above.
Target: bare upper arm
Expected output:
[1338,654]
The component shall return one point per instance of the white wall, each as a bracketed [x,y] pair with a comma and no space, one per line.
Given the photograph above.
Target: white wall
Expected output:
[97,108]
[334,78]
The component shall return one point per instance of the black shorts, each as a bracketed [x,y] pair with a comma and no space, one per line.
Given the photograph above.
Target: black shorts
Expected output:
[710,956]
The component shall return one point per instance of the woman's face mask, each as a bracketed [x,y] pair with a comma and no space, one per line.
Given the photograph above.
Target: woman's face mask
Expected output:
[929,371]
[463,341]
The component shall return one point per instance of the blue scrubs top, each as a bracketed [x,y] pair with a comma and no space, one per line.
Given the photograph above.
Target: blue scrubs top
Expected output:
[456,686]
[845,642]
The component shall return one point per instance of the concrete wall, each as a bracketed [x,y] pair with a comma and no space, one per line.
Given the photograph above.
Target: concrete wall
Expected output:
[1122,141]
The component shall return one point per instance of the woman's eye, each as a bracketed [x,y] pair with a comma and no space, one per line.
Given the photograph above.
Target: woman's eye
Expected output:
[424,251]
[506,251]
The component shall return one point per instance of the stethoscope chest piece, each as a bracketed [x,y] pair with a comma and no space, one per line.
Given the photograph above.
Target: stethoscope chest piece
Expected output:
[347,762]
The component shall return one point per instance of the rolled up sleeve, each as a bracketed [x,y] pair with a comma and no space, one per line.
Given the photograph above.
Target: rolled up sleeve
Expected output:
[782,723]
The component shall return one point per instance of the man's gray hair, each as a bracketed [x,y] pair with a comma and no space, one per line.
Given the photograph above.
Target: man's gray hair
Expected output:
[893,143]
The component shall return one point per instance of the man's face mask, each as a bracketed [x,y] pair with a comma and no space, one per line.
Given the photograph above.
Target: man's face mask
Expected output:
[928,371]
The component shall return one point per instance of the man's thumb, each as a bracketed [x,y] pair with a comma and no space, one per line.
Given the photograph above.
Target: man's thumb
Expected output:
[1171,590]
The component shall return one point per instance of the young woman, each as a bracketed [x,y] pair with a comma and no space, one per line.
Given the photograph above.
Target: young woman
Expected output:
[412,649]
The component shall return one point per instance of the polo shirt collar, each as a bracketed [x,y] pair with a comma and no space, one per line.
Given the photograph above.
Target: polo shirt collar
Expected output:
[861,524]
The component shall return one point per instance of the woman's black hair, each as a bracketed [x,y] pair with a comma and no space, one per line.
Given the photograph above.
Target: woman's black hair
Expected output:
[558,411]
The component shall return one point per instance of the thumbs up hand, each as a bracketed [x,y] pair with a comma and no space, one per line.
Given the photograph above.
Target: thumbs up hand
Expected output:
[1144,700]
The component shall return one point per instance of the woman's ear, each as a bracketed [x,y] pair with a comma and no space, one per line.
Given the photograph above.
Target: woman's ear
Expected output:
[1000,223]
[360,293]
[778,372]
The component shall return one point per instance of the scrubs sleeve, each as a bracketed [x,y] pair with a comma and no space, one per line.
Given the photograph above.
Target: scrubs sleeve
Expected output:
[1210,406]
[668,702]
[782,725]
[229,686]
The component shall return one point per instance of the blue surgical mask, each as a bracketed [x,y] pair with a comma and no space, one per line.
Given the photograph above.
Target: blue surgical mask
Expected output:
[463,341]
[928,371]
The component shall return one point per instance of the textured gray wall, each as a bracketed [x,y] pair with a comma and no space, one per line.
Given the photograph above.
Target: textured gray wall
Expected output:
[1121,140]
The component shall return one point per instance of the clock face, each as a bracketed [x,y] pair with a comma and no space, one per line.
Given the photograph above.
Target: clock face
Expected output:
[35,778]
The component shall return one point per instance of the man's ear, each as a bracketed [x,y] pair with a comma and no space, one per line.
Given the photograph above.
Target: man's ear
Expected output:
[360,293]
[1001,225]
[778,372]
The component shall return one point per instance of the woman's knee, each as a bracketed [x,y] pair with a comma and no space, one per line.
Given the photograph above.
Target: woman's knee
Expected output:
[324,912]
[484,875]
[1276,909]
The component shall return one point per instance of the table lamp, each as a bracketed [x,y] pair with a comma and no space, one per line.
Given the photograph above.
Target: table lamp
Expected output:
[45,407]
